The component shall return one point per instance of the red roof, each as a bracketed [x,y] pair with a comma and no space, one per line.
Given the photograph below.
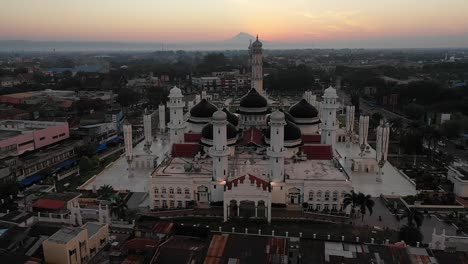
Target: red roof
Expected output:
[48,204]
[253,180]
[311,139]
[140,244]
[252,136]
[318,152]
[192,137]
[134,260]
[162,228]
[185,150]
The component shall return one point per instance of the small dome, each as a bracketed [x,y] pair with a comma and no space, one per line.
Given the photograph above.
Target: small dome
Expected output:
[253,100]
[175,92]
[207,131]
[231,118]
[303,110]
[203,109]
[277,116]
[257,43]
[219,116]
[330,92]
[291,132]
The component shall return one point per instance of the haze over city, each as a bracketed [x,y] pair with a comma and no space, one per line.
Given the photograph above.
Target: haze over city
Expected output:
[302,23]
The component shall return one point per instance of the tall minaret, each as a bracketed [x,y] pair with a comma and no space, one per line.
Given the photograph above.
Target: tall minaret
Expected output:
[147,128]
[350,118]
[363,129]
[276,151]
[257,66]
[381,151]
[176,107]
[128,141]
[162,118]
[220,150]
[329,106]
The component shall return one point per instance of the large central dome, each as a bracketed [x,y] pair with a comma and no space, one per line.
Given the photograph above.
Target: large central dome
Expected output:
[253,100]
[203,109]
[303,110]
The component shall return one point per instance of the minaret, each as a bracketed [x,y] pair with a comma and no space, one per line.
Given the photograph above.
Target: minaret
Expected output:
[162,118]
[220,151]
[363,132]
[276,151]
[176,107]
[128,141]
[257,66]
[350,118]
[329,106]
[147,129]
[381,151]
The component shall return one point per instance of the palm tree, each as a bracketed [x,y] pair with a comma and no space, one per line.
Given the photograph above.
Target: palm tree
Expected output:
[396,125]
[105,191]
[415,217]
[351,199]
[365,203]
[410,234]
[119,207]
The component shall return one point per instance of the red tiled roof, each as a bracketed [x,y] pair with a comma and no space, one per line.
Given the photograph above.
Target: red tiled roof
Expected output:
[253,180]
[140,244]
[317,152]
[48,204]
[311,139]
[162,228]
[133,260]
[185,150]
[192,137]
[254,136]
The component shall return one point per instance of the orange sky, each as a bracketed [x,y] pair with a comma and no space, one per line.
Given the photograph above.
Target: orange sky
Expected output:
[190,20]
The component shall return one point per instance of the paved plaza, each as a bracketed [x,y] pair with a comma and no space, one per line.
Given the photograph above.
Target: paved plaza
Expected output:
[116,174]
[393,182]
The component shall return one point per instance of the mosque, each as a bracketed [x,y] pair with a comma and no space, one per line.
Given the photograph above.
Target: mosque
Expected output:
[254,158]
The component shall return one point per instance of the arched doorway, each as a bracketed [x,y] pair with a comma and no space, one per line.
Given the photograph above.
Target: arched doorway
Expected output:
[294,196]
[202,194]
[247,209]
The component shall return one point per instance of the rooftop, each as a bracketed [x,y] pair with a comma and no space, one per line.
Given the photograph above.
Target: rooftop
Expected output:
[93,228]
[65,234]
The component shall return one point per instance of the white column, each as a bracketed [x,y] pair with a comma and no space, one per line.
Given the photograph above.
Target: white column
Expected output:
[329,107]
[256,211]
[276,151]
[257,66]
[226,211]
[177,124]
[147,127]
[220,151]
[162,118]
[268,213]
[238,208]
[363,129]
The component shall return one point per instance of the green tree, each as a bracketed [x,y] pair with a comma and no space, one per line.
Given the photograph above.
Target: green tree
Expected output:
[351,199]
[86,150]
[414,217]
[365,204]
[410,234]
[105,191]
[119,207]
[95,161]
[375,120]
[85,164]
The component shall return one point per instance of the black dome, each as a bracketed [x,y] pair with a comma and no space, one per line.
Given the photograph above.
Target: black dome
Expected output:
[207,131]
[303,110]
[291,132]
[253,100]
[231,118]
[287,116]
[203,109]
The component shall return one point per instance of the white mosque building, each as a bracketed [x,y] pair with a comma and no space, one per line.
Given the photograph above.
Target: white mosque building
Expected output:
[253,159]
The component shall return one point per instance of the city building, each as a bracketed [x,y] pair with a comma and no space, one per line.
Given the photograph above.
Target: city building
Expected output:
[75,244]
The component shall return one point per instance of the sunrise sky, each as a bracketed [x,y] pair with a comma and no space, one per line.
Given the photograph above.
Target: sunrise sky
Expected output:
[200,20]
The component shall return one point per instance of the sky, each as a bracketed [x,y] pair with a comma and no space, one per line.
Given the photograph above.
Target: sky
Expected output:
[208,20]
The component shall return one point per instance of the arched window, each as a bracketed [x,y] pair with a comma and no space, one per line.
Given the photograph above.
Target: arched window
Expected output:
[311,196]
[335,196]
[327,196]
[156,190]
[343,194]
[319,195]
[171,190]
[187,191]
[163,190]
[179,191]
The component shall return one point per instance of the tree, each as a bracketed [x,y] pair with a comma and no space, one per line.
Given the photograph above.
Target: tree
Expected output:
[105,191]
[396,125]
[351,199]
[95,161]
[414,111]
[375,120]
[119,207]
[452,128]
[414,217]
[365,203]
[127,97]
[410,234]
[355,100]
[85,164]
[86,150]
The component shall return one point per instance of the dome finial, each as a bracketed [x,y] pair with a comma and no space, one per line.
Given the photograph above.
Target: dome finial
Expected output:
[257,36]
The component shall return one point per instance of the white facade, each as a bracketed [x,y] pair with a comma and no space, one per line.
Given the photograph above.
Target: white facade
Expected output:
[330,125]
[176,107]
[257,66]
[162,117]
